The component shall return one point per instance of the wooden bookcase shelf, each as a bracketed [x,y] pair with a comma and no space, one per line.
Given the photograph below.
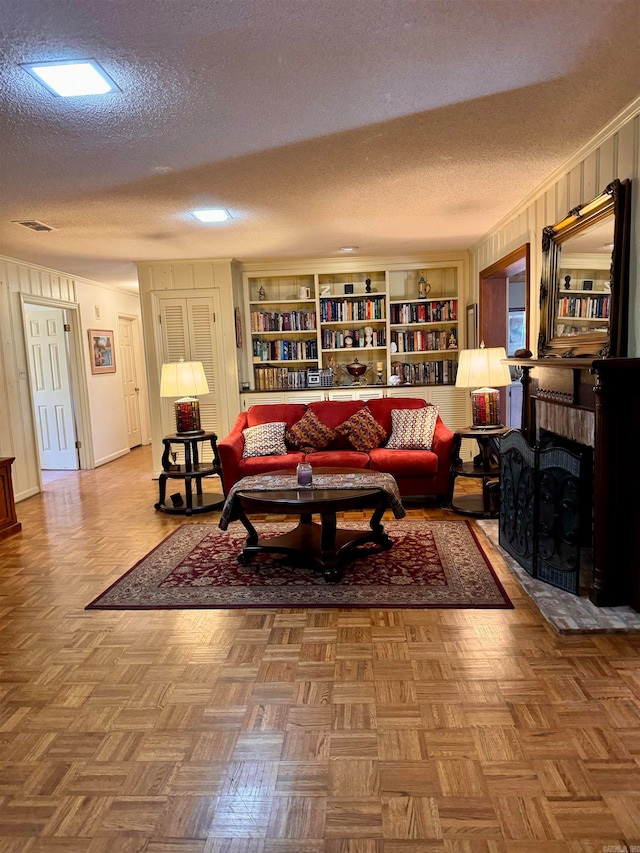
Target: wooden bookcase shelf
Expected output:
[401,319]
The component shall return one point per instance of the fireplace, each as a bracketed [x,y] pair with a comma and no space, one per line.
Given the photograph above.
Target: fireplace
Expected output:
[589,409]
[545,509]
[584,489]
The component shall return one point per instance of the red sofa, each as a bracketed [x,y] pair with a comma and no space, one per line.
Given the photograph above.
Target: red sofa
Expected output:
[417,472]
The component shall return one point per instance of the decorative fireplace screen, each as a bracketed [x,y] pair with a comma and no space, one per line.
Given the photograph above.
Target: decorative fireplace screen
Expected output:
[543,500]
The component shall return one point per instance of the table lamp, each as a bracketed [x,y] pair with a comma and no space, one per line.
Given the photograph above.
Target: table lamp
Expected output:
[482,369]
[185,379]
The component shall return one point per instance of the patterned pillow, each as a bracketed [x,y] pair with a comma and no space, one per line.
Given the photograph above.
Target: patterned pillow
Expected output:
[265,440]
[413,429]
[362,431]
[309,434]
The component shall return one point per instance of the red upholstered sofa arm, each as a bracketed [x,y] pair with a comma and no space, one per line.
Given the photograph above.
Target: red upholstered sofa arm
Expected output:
[230,451]
[444,441]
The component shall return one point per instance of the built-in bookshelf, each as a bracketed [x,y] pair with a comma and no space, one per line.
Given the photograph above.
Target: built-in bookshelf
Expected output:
[283,319]
[353,312]
[399,321]
[423,327]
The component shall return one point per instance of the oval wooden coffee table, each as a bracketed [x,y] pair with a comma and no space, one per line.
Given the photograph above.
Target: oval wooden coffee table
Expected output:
[324,544]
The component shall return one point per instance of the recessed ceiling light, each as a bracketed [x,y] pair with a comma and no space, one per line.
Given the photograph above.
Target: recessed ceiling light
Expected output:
[211,215]
[34,224]
[348,248]
[69,78]
[608,246]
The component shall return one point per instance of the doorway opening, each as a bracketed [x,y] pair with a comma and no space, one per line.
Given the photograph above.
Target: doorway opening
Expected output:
[130,371]
[503,322]
[58,396]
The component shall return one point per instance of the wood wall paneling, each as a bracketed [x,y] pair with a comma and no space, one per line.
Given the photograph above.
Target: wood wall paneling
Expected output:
[614,154]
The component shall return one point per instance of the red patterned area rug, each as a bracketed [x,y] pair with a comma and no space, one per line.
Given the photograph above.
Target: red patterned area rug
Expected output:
[431,564]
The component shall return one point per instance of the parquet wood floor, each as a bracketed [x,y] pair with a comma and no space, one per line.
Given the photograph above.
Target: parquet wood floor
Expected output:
[292,731]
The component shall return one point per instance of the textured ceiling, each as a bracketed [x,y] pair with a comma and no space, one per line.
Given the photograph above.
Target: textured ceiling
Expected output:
[398,126]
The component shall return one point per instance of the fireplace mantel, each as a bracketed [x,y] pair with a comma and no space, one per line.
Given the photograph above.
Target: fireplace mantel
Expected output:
[596,402]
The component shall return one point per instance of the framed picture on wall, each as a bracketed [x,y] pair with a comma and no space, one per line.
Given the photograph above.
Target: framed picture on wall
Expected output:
[472,326]
[101,351]
[238,320]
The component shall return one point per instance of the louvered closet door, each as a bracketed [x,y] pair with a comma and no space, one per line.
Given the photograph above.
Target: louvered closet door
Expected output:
[189,332]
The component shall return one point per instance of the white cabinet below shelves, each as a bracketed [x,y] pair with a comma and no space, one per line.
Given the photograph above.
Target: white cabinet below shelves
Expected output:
[355,393]
[306,397]
[255,398]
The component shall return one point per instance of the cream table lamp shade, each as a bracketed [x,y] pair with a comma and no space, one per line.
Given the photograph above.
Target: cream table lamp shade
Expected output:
[184,380]
[483,370]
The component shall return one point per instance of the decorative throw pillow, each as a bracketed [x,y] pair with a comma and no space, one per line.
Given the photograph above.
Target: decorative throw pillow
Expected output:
[309,434]
[413,429]
[265,440]
[362,431]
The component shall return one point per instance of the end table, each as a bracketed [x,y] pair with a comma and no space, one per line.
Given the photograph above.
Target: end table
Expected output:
[483,467]
[9,523]
[192,471]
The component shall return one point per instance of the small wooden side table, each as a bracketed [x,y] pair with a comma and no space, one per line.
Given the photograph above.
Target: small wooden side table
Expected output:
[192,471]
[9,523]
[483,467]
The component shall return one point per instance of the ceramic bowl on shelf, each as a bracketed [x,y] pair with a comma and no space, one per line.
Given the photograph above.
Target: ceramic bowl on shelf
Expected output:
[356,369]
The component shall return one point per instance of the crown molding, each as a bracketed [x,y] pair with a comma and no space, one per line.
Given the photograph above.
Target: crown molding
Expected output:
[349,263]
[76,278]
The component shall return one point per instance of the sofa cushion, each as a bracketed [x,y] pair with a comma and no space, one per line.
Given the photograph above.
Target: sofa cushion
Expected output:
[265,440]
[267,464]
[362,431]
[338,459]
[382,407]
[333,413]
[412,429]
[309,433]
[404,463]
[264,414]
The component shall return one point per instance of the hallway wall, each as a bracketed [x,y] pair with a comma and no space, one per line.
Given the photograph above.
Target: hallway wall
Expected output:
[101,395]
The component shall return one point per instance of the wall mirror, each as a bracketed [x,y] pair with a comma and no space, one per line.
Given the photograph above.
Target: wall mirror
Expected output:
[584,289]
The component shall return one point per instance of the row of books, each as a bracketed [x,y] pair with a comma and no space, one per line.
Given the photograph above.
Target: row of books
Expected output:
[285,350]
[427,373]
[486,407]
[271,378]
[424,312]
[286,321]
[584,306]
[344,310]
[564,331]
[355,338]
[423,341]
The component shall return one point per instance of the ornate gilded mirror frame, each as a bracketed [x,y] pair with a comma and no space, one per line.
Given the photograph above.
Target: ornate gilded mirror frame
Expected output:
[614,202]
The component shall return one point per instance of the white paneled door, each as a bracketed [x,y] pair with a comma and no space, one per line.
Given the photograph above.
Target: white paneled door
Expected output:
[128,368]
[51,389]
